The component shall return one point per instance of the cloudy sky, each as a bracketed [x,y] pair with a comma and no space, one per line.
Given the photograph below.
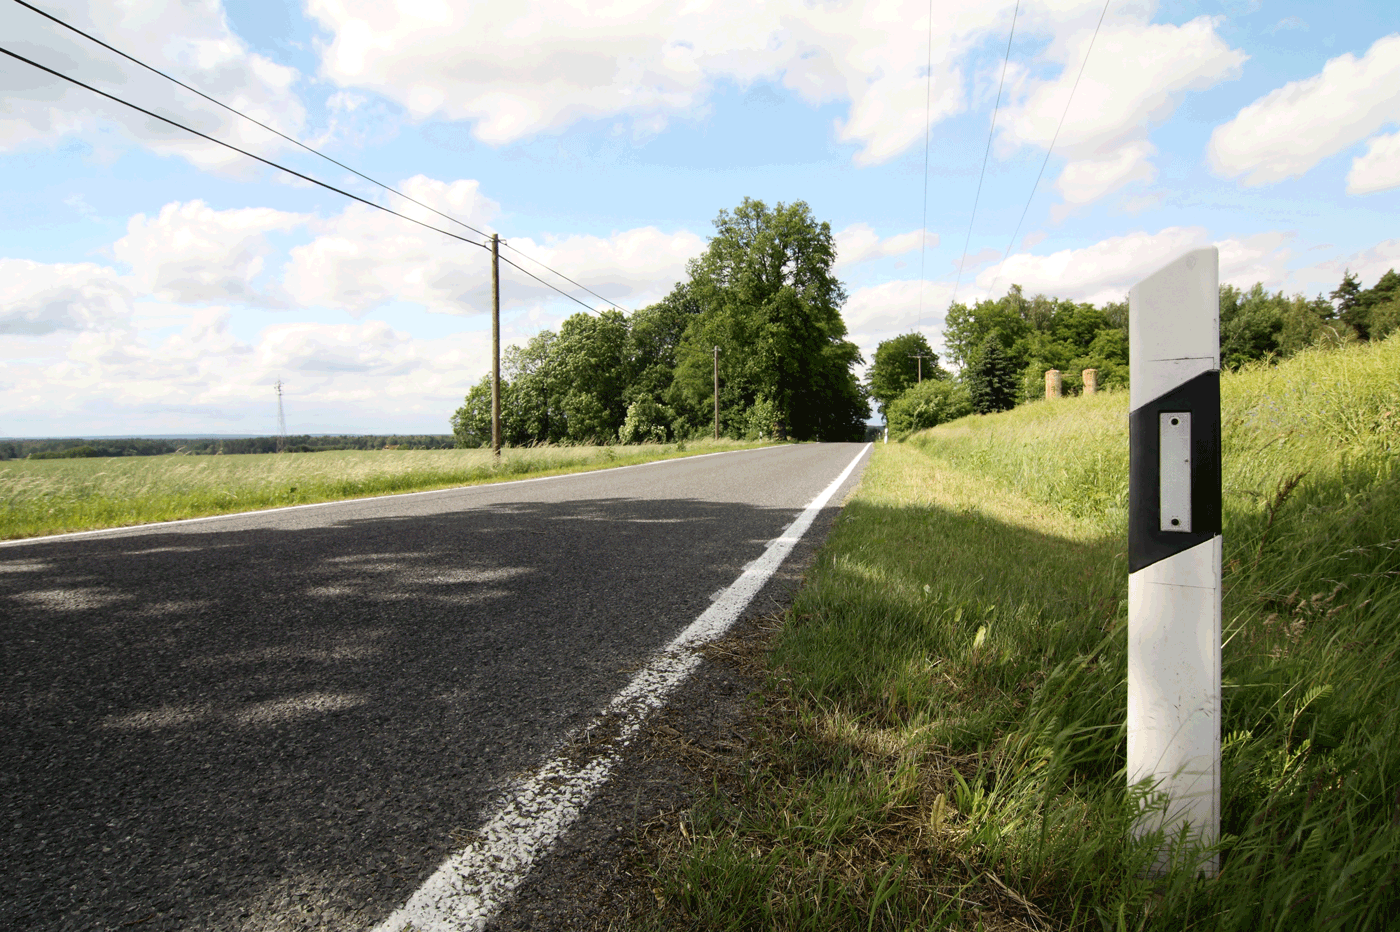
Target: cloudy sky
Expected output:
[154,283]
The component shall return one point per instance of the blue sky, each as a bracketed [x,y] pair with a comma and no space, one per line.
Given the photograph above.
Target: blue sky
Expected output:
[151,283]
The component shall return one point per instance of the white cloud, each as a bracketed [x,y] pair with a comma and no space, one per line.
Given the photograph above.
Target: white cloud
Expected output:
[1261,258]
[859,243]
[38,299]
[894,307]
[980,257]
[1286,132]
[191,40]
[369,347]
[1136,77]
[539,66]
[1378,169]
[362,376]
[1084,181]
[362,259]
[191,253]
[1106,270]
[1368,265]
[886,310]
[461,199]
[518,70]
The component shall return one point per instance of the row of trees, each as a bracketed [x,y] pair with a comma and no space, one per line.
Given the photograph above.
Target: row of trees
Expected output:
[1003,347]
[763,292]
[76,448]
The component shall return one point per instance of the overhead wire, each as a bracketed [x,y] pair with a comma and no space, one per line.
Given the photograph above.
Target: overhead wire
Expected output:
[986,155]
[923,226]
[279,167]
[297,142]
[1001,265]
[560,274]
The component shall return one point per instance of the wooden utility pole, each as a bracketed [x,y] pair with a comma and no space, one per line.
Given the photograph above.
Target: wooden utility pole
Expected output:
[920,357]
[716,392]
[496,345]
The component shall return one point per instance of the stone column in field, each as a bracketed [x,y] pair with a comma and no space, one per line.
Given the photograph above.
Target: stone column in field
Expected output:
[1091,381]
[1052,384]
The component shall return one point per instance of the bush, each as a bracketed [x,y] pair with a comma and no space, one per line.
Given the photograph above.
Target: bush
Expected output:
[928,404]
[761,420]
[645,422]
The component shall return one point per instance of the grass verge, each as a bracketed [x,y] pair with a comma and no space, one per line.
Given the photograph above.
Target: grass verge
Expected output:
[41,497]
[945,740]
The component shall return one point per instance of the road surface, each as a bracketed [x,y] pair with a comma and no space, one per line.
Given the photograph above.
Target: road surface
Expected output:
[290,719]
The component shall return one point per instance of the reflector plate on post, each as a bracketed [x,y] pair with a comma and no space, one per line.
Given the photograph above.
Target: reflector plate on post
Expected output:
[1174,470]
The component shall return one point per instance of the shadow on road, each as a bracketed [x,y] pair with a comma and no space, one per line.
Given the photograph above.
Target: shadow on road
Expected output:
[219,729]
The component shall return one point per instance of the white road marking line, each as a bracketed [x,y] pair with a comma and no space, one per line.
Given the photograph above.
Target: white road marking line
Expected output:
[367,498]
[468,888]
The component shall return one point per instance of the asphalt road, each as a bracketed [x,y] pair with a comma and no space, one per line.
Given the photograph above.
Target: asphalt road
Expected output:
[288,719]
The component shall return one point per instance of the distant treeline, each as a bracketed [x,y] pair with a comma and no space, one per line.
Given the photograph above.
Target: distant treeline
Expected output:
[76,448]
[1003,347]
[1039,333]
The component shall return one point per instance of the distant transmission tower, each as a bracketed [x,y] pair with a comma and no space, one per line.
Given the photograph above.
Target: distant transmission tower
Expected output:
[281,421]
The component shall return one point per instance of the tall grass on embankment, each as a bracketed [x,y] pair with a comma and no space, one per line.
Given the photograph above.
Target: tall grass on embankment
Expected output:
[40,497]
[944,743]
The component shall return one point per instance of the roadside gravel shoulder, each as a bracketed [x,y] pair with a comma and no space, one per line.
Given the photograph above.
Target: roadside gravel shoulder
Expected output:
[598,877]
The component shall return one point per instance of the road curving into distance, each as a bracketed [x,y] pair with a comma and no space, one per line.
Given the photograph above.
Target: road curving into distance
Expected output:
[293,719]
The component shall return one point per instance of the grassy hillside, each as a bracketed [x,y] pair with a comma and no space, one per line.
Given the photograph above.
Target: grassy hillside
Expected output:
[945,741]
[52,496]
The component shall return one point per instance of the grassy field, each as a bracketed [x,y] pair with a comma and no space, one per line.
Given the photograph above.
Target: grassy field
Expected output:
[39,497]
[943,742]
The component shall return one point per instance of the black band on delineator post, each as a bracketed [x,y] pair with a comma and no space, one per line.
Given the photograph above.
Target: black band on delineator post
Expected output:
[1147,543]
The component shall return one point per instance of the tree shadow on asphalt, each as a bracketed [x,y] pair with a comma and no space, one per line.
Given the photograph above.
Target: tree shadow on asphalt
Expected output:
[215,729]
[240,729]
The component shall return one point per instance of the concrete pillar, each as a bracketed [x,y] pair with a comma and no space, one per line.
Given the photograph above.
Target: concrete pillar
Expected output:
[1091,381]
[1052,384]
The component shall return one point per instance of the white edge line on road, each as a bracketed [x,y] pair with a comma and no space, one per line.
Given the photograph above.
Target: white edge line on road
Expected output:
[468,888]
[368,498]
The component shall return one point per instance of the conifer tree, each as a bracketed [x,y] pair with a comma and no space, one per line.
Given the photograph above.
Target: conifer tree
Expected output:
[991,379]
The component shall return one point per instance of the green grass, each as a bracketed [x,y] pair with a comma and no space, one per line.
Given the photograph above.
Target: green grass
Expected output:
[39,497]
[944,744]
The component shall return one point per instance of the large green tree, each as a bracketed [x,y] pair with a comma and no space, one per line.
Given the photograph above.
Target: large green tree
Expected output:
[531,404]
[591,372]
[770,301]
[896,368]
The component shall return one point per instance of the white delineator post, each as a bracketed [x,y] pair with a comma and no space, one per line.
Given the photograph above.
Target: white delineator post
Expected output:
[1174,547]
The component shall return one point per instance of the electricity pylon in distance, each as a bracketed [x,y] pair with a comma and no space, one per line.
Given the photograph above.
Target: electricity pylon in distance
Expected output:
[281,421]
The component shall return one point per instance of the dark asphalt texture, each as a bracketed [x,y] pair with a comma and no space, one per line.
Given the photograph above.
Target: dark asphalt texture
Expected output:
[287,720]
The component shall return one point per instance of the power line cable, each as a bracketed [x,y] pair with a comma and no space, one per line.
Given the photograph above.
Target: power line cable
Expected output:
[272,164]
[560,274]
[923,227]
[548,285]
[227,145]
[1053,140]
[297,142]
[986,155]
